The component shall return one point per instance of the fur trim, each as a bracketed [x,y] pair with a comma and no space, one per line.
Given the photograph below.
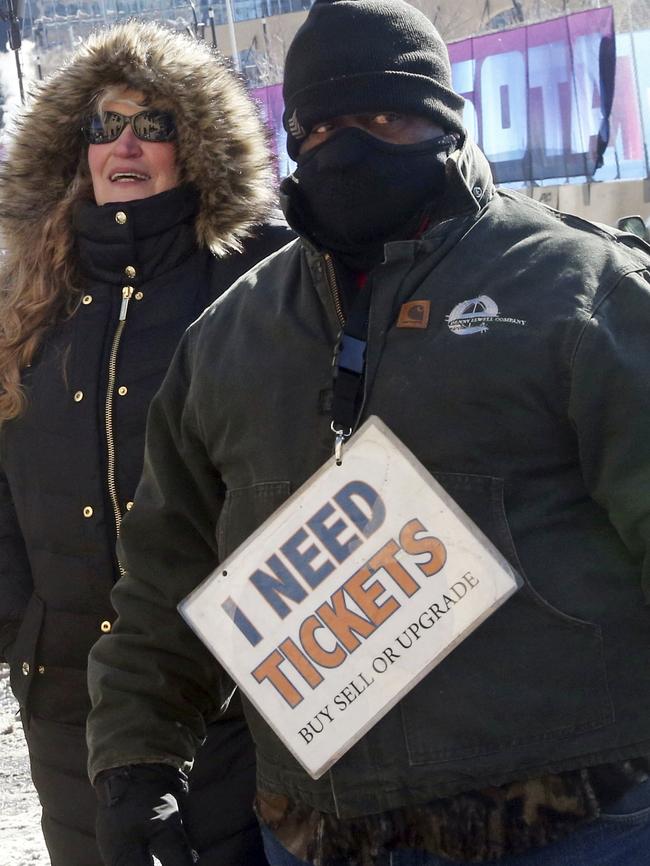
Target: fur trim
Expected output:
[221,140]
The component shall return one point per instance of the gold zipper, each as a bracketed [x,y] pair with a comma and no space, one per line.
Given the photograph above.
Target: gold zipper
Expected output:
[332,282]
[127,293]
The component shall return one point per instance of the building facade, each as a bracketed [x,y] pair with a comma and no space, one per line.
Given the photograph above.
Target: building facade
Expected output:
[255,34]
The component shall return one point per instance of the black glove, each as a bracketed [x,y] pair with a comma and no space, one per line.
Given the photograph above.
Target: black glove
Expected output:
[139,814]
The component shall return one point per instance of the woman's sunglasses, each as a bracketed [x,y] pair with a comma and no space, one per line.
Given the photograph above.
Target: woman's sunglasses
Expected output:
[148,125]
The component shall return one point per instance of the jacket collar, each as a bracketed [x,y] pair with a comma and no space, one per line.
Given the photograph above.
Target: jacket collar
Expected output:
[469,188]
[469,183]
[151,235]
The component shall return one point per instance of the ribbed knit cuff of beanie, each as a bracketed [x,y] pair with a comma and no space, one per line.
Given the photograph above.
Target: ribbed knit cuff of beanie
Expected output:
[354,56]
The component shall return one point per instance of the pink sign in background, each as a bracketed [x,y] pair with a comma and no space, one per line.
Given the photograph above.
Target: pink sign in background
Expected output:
[541,100]
[539,96]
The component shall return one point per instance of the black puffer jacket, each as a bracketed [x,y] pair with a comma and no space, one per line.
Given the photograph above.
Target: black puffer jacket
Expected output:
[70,468]
[70,464]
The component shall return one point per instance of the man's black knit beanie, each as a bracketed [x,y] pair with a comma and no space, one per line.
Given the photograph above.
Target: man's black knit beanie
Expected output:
[353,56]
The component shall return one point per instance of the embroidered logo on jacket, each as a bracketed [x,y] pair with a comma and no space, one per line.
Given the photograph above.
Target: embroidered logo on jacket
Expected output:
[474,315]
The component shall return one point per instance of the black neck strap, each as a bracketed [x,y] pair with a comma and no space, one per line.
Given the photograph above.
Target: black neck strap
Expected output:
[349,364]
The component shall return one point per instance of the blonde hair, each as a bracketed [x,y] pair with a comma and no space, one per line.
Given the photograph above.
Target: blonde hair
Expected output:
[116,94]
[38,290]
[42,288]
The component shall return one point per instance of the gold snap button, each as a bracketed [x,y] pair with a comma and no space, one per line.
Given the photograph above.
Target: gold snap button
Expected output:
[120,217]
[41,669]
[139,296]
[78,396]
[129,270]
[87,299]
[25,669]
[105,626]
[88,512]
[129,505]
[122,390]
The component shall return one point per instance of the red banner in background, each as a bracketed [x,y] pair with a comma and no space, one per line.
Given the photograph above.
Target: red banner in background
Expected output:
[539,98]
[626,158]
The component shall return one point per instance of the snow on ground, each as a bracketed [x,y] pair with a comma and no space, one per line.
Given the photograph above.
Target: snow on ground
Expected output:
[21,842]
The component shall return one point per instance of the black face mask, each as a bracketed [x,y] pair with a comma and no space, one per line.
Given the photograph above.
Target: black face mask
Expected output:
[354,192]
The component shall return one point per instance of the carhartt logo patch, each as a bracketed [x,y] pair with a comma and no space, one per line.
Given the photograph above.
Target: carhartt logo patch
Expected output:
[414,314]
[295,127]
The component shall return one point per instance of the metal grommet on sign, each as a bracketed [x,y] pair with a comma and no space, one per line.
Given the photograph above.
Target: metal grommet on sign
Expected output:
[78,396]
[105,626]
[25,669]
[120,217]
[88,511]
[87,299]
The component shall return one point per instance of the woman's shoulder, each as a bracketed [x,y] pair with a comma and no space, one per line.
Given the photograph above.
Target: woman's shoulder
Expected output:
[266,239]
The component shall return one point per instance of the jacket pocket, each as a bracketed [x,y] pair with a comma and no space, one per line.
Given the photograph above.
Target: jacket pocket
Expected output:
[23,652]
[61,695]
[529,673]
[245,509]
[630,809]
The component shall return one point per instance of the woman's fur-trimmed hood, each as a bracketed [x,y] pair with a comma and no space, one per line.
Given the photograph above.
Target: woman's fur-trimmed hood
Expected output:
[221,140]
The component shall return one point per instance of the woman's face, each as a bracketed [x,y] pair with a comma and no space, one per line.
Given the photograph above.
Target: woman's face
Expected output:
[128,169]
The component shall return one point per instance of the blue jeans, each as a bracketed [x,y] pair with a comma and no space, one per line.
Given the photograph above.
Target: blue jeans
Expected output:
[620,837]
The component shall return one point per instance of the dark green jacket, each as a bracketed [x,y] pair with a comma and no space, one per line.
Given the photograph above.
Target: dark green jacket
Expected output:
[528,397]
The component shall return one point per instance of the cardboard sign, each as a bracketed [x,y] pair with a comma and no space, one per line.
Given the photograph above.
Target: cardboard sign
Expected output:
[362,582]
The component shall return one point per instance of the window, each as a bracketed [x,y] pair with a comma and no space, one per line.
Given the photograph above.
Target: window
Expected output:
[244,10]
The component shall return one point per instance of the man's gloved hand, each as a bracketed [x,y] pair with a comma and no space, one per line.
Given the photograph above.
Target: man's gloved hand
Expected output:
[139,814]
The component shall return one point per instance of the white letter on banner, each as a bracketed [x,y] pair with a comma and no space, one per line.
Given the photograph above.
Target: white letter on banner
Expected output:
[585,118]
[547,70]
[462,76]
[503,76]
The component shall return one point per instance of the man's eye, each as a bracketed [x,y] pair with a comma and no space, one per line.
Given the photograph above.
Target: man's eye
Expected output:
[386,117]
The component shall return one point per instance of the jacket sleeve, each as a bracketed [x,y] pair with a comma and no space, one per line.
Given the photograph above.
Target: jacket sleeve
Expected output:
[15,574]
[151,681]
[610,408]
